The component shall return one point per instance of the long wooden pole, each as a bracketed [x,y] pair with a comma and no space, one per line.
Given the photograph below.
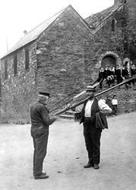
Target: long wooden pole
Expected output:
[68,107]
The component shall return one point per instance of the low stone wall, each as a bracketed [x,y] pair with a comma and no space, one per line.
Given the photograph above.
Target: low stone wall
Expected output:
[126,103]
[126,99]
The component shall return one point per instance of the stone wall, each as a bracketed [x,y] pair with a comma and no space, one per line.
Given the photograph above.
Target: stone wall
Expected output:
[18,91]
[126,98]
[104,41]
[65,58]
[131,29]
[56,65]
[61,61]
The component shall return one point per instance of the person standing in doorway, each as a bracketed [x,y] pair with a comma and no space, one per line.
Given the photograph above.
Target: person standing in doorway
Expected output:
[125,75]
[101,77]
[118,74]
[40,122]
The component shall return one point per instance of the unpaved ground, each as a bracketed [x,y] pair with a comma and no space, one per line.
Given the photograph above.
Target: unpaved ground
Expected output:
[67,155]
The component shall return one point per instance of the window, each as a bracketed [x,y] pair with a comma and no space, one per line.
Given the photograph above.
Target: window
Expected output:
[113,25]
[26,59]
[5,69]
[15,65]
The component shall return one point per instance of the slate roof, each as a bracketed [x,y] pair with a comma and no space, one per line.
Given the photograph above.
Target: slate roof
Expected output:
[35,32]
[93,23]
[97,19]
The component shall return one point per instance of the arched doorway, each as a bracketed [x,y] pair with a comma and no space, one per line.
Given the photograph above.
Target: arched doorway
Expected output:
[109,58]
[108,61]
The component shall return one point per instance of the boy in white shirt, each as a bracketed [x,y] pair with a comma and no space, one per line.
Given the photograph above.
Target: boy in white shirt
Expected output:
[114,105]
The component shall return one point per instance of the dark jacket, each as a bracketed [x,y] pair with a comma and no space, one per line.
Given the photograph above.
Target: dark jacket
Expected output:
[101,76]
[40,119]
[100,118]
[125,73]
[133,72]
[118,73]
[101,121]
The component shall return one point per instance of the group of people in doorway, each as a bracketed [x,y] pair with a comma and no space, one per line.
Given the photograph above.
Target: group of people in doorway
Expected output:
[112,75]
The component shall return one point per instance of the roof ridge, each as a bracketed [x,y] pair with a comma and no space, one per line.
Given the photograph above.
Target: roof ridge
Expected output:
[18,44]
[83,20]
[33,34]
[59,12]
[99,12]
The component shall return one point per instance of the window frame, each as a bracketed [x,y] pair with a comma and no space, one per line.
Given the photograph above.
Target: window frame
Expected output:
[5,69]
[15,65]
[27,60]
[113,25]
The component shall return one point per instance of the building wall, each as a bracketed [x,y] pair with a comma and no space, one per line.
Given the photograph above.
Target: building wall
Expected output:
[18,91]
[56,65]
[131,29]
[61,58]
[105,42]
[64,59]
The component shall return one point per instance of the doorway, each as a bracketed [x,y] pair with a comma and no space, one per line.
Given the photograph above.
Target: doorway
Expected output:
[108,61]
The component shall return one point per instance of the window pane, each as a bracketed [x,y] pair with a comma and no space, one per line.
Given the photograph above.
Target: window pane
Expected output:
[6,69]
[15,65]
[26,59]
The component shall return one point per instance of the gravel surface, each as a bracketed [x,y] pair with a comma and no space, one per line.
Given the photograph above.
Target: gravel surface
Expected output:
[67,155]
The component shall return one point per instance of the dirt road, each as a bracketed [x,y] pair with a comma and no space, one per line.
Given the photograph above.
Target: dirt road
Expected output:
[67,155]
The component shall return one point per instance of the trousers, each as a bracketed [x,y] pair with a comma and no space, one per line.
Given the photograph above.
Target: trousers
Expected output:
[92,137]
[40,150]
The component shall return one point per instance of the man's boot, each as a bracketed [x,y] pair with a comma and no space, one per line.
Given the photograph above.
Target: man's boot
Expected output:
[96,166]
[88,165]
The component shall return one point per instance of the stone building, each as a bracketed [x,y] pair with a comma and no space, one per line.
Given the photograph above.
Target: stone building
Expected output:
[64,53]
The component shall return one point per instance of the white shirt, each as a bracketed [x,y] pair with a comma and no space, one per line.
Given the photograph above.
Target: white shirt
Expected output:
[114,102]
[102,106]
[88,108]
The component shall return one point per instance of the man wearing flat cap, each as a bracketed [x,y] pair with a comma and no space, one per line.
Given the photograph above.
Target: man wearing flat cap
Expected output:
[40,122]
[94,120]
